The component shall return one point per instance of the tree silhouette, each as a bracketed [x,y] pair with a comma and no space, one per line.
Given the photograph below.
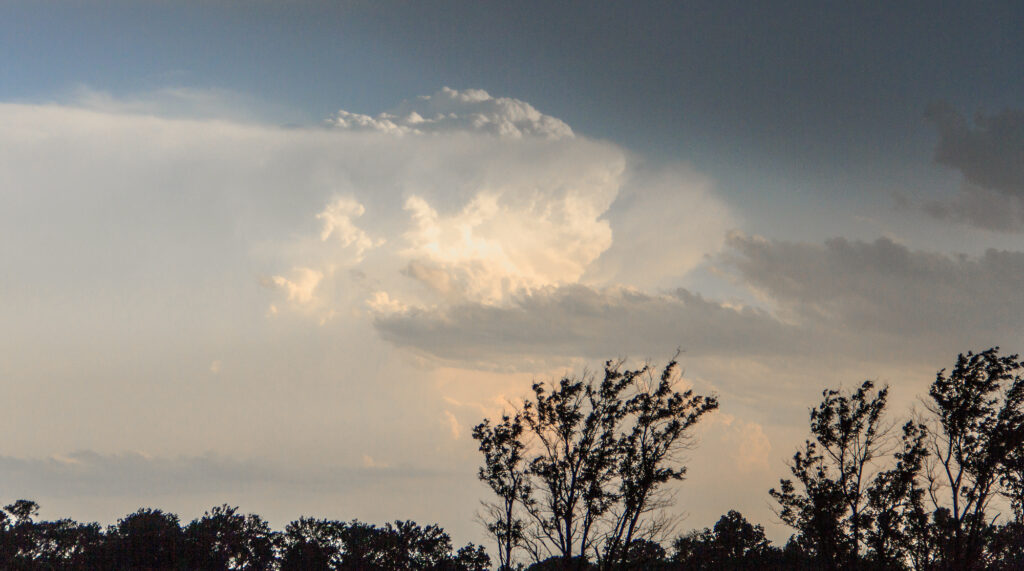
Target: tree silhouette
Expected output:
[66,544]
[405,545]
[733,543]
[898,530]
[842,492]
[648,452]
[504,471]
[583,461]
[146,539]
[979,427]
[312,544]
[225,539]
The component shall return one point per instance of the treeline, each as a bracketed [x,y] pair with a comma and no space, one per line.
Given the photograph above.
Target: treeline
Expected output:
[225,539]
[580,473]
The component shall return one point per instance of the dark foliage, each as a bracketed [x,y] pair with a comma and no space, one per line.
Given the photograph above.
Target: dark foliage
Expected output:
[978,428]
[146,539]
[226,539]
[579,469]
[312,544]
[863,499]
[734,543]
[841,493]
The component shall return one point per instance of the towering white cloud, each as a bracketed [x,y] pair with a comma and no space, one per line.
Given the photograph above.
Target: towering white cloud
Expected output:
[482,200]
[470,110]
[338,219]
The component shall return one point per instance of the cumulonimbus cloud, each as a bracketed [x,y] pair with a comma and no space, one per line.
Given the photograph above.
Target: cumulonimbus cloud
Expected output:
[531,267]
[486,201]
[497,201]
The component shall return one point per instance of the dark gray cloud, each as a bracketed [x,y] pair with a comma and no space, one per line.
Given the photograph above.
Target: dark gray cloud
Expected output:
[840,299]
[882,287]
[597,323]
[980,207]
[990,154]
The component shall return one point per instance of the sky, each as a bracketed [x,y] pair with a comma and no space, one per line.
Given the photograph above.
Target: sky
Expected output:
[285,255]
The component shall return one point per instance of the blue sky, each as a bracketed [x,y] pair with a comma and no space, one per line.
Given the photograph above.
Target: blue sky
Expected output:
[657,77]
[290,252]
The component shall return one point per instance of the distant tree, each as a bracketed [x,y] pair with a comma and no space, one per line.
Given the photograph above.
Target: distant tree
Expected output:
[978,430]
[226,539]
[312,544]
[16,541]
[559,563]
[67,544]
[472,558]
[61,544]
[579,469]
[22,511]
[643,555]
[405,545]
[733,543]
[402,545]
[146,539]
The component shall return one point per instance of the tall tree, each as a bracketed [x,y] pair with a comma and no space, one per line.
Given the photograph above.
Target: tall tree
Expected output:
[588,459]
[835,471]
[648,451]
[898,535]
[575,425]
[979,424]
[504,471]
